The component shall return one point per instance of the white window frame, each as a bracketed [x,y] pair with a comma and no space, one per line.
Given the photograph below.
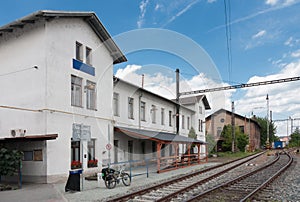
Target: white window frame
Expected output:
[79,51]
[130,107]
[116,97]
[200,110]
[162,114]
[76,91]
[91,95]
[88,56]
[153,113]
[143,111]
[182,121]
[170,118]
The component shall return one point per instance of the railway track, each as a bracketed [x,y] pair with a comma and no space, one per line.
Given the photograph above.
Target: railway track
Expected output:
[245,187]
[170,189]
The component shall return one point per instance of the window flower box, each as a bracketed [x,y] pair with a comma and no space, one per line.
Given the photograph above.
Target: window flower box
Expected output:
[76,164]
[92,163]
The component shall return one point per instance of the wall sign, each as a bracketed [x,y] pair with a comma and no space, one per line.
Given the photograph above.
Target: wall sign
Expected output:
[81,132]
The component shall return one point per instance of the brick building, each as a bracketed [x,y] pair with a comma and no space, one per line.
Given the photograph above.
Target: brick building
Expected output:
[216,121]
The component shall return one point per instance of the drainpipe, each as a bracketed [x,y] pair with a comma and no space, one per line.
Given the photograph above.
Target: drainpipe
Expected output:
[140,100]
[177,101]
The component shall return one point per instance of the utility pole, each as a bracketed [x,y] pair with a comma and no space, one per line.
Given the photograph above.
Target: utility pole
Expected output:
[291,125]
[270,132]
[268,140]
[233,127]
[177,101]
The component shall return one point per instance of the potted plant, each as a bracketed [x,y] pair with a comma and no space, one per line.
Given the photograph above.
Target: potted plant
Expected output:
[92,163]
[76,164]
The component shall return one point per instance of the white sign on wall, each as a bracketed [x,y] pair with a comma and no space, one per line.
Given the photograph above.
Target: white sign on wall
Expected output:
[81,132]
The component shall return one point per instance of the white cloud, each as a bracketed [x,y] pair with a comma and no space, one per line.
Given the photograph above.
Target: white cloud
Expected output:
[289,42]
[286,4]
[259,34]
[271,2]
[182,11]
[158,7]
[283,97]
[280,2]
[164,85]
[123,73]
[211,1]
[296,54]
[143,9]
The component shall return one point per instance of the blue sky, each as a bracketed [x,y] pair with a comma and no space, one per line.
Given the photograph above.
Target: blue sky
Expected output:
[264,37]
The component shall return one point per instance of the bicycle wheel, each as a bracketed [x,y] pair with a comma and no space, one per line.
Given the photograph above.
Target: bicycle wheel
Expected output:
[126,179]
[110,181]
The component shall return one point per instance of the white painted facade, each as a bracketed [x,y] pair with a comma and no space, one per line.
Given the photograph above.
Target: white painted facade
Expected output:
[39,100]
[189,116]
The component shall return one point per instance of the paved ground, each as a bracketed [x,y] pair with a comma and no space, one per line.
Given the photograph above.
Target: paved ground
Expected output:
[91,191]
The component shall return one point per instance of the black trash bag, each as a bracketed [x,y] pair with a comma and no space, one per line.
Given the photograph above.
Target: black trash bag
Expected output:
[106,171]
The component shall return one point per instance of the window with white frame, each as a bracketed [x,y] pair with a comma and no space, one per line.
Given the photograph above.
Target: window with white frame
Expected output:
[91,152]
[76,91]
[170,118]
[90,95]
[130,108]
[75,151]
[116,104]
[79,51]
[200,126]
[182,121]
[143,111]
[162,115]
[188,123]
[88,55]
[200,110]
[153,113]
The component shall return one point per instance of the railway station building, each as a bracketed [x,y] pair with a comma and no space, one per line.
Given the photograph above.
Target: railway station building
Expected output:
[62,107]
[249,126]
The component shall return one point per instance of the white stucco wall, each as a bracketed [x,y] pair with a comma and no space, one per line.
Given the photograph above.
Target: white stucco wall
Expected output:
[51,46]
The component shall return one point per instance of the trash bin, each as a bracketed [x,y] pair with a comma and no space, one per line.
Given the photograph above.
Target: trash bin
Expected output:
[73,183]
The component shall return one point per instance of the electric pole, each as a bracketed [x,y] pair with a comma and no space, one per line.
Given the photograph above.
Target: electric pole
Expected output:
[268,129]
[233,127]
[177,101]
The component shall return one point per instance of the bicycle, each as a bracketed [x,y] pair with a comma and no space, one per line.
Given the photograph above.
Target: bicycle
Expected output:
[111,177]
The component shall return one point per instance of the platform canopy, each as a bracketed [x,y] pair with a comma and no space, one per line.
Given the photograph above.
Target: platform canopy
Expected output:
[157,136]
[28,138]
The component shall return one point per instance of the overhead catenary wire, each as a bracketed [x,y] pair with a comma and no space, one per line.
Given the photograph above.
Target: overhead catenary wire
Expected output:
[242,85]
[21,70]
[227,15]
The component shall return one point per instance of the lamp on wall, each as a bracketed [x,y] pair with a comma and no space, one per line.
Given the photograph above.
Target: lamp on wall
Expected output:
[89,86]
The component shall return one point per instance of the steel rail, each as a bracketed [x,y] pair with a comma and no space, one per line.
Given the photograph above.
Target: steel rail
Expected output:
[146,190]
[231,182]
[266,183]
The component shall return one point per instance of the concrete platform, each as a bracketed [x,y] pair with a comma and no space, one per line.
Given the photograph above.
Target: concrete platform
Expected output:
[91,191]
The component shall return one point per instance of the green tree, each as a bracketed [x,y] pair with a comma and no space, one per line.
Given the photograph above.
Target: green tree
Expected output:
[9,161]
[263,133]
[192,133]
[241,139]
[226,135]
[295,138]
[211,142]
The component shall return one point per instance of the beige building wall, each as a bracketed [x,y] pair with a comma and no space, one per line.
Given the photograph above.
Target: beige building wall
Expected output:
[216,121]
